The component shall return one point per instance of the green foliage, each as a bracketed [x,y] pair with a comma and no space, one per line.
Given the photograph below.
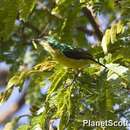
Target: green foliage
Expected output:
[26,7]
[11,125]
[110,35]
[72,95]
[16,80]
[8,14]
[106,40]
[25,127]
[9,11]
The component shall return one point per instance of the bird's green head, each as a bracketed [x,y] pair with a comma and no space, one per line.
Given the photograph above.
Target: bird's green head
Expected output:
[51,45]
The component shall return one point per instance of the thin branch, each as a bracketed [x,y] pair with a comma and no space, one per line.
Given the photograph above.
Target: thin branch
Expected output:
[6,114]
[93,22]
[12,109]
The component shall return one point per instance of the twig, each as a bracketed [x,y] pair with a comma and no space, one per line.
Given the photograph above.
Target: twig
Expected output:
[15,106]
[12,109]
[94,24]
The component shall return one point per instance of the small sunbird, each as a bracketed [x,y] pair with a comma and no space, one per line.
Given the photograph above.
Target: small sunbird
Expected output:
[67,55]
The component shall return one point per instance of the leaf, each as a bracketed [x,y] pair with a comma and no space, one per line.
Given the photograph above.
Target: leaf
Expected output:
[45,66]
[37,127]
[13,81]
[4,96]
[11,125]
[109,102]
[56,12]
[64,102]
[106,40]
[34,44]
[113,33]
[23,127]
[83,1]
[16,80]
[37,122]
[26,7]
[116,71]
[120,27]
[58,76]
[8,14]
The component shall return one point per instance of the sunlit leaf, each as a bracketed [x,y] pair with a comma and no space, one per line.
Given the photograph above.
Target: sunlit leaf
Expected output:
[44,66]
[106,40]
[58,76]
[120,27]
[34,44]
[67,94]
[26,7]
[116,71]
[113,33]
[8,9]
[16,80]
[109,102]
[25,127]
[11,125]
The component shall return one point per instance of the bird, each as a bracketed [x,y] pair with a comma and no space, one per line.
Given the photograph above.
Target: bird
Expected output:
[67,55]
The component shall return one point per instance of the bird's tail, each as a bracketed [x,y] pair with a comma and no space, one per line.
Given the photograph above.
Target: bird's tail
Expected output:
[99,63]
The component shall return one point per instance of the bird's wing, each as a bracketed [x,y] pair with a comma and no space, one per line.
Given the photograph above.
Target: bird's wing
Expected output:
[78,53]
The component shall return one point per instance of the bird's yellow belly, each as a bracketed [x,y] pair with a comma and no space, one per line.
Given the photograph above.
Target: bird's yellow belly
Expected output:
[71,63]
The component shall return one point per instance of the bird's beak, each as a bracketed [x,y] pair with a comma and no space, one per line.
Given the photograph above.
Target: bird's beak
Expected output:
[36,42]
[44,43]
[39,41]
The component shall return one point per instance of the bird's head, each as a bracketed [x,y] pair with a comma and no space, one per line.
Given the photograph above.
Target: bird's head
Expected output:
[49,44]
[53,46]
